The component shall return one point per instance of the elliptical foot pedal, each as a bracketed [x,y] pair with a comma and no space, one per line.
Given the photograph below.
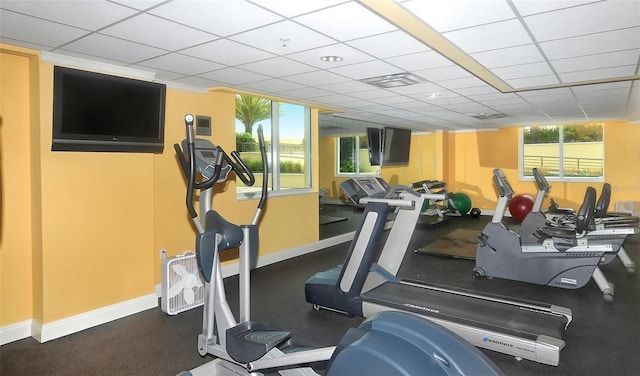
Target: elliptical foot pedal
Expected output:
[251,340]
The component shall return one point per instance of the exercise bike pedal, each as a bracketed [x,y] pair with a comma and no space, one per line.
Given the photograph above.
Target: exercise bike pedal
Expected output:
[251,340]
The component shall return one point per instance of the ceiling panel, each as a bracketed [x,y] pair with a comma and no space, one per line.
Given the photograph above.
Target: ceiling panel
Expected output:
[283,38]
[227,52]
[611,41]
[459,14]
[89,15]
[144,28]
[522,49]
[219,17]
[39,32]
[113,48]
[594,18]
[346,22]
[493,36]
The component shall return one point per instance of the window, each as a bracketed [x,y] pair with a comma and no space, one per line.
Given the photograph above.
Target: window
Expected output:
[285,125]
[564,151]
[353,156]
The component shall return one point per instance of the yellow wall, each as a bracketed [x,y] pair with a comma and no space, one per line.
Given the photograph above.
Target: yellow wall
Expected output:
[86,228]
[465,161]
[15,184]
[474,155]
[425,162]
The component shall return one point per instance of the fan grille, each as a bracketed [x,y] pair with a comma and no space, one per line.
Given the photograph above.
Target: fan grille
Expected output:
[178,303]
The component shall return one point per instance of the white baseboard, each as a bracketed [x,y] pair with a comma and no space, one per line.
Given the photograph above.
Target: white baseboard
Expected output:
[14,332]
[271,258]
[56,329]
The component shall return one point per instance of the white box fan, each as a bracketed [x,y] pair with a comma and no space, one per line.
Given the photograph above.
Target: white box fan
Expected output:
[182,284]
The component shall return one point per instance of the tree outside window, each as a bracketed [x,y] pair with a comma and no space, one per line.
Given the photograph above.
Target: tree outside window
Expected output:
[285,125]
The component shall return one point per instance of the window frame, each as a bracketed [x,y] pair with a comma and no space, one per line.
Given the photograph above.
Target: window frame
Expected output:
[275,190]
[561,177]
[357,159]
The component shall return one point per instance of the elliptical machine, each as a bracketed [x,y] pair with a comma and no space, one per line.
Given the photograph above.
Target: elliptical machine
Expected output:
[386,344]
[501,253]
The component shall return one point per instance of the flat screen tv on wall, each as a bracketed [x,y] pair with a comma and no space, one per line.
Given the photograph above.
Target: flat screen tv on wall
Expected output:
[396,145]
[374,137]
[99,112]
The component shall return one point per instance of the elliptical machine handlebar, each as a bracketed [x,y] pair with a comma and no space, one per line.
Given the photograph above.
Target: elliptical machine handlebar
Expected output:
[222,162]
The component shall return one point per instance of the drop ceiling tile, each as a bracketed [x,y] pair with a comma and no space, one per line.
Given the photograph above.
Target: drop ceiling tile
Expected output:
[525,82]
[139,4]
[219,17]
[349,56]
[597,74]
[389,44]
[292,8]
[459,14]
[283,38]
[461,83]
[490,37]
[419,61]
[425,88]
[346,87]
[20,43]
[372,94]
[227,52]
[366,70]
[594,18]
[272,86]
[157,32]
[391,100]
[528,7]
[522,71]
[333,99]
[160,74]
[197,81]
[36,31]
[504,57]
[346,22]
[443,73]
[546,94]
[316,78]
[305,92]
[89,15]
[611,41]
[611,59]
[479,91]
[277,67]
[355,103]
[234,75]
[179,63]
[113,48]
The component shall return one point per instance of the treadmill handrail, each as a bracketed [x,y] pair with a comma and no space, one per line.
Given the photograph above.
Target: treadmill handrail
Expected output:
[399,202]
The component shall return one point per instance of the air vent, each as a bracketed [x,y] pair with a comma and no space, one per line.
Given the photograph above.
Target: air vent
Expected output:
[485,116]
[393,80]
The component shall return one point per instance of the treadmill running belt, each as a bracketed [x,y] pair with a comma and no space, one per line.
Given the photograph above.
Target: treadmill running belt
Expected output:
[490,315]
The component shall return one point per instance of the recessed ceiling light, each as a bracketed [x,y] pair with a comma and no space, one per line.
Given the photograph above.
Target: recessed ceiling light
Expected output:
[331,58]
[434,95]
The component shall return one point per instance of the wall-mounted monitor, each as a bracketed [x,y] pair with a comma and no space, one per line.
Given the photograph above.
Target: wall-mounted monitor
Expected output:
[374,137]
[99,112]
[396,146]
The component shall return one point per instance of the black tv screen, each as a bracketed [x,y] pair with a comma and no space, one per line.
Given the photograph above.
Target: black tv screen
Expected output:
[397,142]
[374,137]
[99,112]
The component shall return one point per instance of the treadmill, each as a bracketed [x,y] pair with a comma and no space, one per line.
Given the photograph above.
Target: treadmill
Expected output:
[361,286]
